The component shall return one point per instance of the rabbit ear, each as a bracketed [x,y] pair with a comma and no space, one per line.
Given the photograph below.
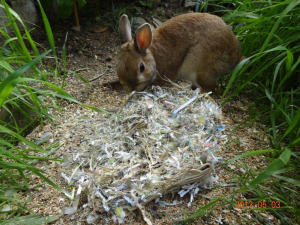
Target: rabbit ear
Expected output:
[143,38]
[125,29]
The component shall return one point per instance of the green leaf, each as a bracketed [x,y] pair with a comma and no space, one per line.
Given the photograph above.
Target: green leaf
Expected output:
[42,140]
[32,219]
[201,211]
[65,8]
[99,110]
[276,25]
[289,74]
[11,14]
[20,138]
[287,179]
[289,60]
[292,125]
[48,29]
[295,143]
[9,83]
[6,198]
[234,75]
[276,165]
[81,3]
[247,154]
[205,210]
[270,97]
[6,66]
[64,53]
[18,166]
[80,77]
[61,93]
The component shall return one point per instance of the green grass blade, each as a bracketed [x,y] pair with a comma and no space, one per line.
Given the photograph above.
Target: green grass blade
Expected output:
[17,31]
[233,76]
[9,83]
[64,53]
[294,123]
[32,219]
[6,66]
[294,143]
[276,165]
[31,42]
[289,60]
[13,165]
[48,29]
[289,180]
[247,154]
[205,209]
[80,77]
[52,183]
[61,92]
[276,26]
[19,137]
[289,74]
[81,3]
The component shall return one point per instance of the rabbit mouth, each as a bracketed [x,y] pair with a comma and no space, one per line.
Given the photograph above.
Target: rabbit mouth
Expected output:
[137,86]
[134,87]
[141,86]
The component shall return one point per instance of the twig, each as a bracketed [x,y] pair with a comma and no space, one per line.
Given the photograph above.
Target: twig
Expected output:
[76,14]
[171,82]
[100,75]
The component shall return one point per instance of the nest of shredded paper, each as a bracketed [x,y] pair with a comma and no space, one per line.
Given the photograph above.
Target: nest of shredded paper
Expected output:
[161,141]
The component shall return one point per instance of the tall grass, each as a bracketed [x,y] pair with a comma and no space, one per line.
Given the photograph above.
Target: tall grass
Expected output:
[25,91]
[269,32]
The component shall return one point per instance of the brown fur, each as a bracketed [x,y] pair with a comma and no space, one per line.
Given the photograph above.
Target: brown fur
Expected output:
[193,45]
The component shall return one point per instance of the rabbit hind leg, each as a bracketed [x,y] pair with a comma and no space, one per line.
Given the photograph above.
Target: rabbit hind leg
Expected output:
[199,73]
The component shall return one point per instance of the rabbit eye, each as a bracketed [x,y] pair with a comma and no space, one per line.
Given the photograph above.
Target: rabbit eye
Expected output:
[142,67]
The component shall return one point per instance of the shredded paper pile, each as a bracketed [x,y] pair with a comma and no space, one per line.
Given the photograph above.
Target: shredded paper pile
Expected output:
[161,141]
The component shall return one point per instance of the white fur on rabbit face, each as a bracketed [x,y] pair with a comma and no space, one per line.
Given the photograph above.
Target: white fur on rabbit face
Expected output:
[136,66]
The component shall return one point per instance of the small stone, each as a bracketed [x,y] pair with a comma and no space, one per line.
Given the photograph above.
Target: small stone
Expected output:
[68,135]
[238,210]
[264,215]
[189,4]
[157,22]
[54,164]
[271,217]
[242,170]
[136,22]
[231,166]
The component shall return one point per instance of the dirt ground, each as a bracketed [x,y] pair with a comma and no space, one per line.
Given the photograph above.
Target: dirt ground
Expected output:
[93,54]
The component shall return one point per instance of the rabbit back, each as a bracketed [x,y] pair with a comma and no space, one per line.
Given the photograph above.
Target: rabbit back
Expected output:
[196,46]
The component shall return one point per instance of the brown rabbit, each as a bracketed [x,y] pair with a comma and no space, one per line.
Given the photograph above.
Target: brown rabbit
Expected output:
[195,46]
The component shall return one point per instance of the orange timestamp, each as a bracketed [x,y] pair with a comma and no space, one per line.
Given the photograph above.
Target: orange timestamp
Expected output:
[259,205]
